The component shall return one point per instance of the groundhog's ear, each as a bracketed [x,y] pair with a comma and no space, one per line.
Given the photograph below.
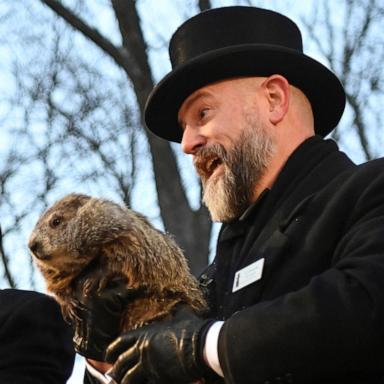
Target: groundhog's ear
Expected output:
[99,222]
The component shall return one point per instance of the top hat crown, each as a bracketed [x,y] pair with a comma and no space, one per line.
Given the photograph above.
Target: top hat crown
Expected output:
[230,42]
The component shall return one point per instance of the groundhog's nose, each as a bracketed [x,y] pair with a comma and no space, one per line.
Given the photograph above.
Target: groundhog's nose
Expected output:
[36,249]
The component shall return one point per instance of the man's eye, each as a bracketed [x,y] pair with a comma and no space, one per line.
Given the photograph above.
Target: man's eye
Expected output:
[203,112]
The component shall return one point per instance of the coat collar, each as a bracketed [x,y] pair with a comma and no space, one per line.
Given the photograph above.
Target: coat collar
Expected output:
[310,168]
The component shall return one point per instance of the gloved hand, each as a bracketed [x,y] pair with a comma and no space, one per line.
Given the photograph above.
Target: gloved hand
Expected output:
[97,318]
[168,351]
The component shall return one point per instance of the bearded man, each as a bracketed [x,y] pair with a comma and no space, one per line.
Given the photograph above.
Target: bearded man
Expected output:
[296,290]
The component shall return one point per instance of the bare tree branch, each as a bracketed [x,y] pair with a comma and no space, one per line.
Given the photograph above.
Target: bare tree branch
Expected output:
[120,56]
[204,5]
[5,262]
[360,126]
[354,52]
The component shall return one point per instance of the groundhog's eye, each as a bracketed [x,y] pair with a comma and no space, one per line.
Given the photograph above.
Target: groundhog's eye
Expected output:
[55,222]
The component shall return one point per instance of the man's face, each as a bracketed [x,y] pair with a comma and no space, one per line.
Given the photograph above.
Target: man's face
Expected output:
[225,132]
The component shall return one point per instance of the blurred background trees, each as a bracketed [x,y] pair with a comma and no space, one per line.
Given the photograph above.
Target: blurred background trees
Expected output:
[75,76]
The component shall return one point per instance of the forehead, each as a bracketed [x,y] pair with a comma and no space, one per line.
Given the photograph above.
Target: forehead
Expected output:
[224,89]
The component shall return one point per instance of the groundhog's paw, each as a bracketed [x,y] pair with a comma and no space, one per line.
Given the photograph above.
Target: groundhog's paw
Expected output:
[71,311]
[90,286]
[98,282]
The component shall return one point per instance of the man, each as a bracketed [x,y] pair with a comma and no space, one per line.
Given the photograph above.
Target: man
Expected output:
[36,343]
[296,290]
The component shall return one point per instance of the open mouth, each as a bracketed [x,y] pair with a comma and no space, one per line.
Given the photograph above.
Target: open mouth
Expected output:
[41,256]
[206,166]
[212,164]
[37,250]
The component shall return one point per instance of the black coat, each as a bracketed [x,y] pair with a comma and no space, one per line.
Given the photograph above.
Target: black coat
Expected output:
[35,342]
[316,315]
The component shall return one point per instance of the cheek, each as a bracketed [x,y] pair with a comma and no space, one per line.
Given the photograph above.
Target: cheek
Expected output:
[65,260]
[230,124]
[226,133]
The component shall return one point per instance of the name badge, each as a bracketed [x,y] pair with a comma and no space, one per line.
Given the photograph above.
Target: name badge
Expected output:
[248,275]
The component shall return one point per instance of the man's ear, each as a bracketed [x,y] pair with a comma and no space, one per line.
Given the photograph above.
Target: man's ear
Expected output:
[277,91]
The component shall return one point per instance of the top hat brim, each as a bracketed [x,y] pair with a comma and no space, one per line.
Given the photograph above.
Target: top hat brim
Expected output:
[319,84]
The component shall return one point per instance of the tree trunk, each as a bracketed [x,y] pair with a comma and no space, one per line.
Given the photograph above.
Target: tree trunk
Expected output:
[191,229]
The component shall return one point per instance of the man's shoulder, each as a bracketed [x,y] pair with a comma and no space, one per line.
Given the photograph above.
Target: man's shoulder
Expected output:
[377,164]
[370,172]
[371,169]
[360,187]
[21,295]
[16,302]
[36,342]
[355,189]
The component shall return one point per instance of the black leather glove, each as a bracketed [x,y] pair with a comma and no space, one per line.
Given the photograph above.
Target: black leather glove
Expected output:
[170,351]
[97,318]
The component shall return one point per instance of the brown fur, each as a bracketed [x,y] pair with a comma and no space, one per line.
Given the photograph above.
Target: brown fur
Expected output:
[79,230]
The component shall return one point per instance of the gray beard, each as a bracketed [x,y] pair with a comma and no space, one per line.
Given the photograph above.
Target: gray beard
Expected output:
[230,193]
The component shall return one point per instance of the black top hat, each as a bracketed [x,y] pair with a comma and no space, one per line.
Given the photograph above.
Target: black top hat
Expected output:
[240,41]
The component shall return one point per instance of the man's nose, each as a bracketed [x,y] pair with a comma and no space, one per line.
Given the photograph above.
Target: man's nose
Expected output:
[192,140]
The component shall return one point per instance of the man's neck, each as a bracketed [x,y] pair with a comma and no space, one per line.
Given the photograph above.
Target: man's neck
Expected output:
[276,164]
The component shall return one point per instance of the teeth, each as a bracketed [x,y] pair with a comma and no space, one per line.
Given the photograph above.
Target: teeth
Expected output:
[211,165]
[207,166]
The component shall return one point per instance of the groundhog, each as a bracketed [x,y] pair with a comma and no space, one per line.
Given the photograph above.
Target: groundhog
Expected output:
[80,231]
